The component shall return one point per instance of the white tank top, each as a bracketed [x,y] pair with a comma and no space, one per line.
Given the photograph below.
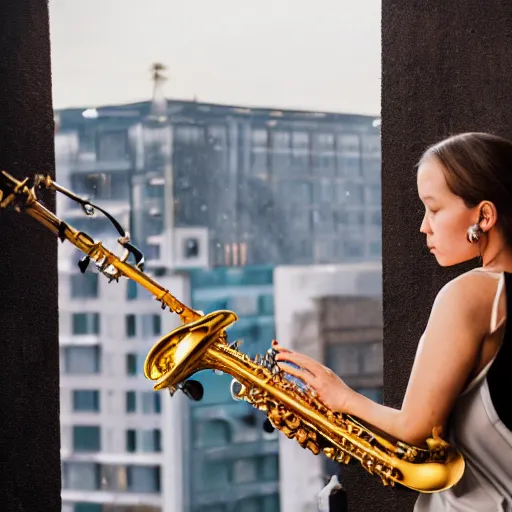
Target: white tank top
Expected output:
[484,441]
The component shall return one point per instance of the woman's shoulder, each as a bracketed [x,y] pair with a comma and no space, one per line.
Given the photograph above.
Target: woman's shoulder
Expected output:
[473,286]
[471,294]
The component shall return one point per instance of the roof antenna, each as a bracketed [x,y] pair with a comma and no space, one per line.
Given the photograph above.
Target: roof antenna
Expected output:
[158,102]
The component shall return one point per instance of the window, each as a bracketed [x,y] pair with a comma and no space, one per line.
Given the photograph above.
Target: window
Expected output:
[151,325]
[102,185]
[245,470]
[151,402]
[348,143]
[371,144]
[86,400]
[323,141]
[296,192]
[131,364]
[217,137]
[350,193]
[216,474]
[371,168]
[324,191]
[189,134]
[86,438]
[355,359]
[86,323]
[131,401]
[269,467]
[150,440]
[376,218]
[374,194]
[157,324]
[270,503]
[248,505]
[281,140]
[213,433]
[82,360]
[371,358]
[266,305]
[244,305]
[130,326]
[349,166]
[81,476]
[191,248]
[323,220]
[143,479]
[88,507]
[259,137]
[354,249]
[84,286]
[131,290]
[131,441]
[300,151]
[112,145]
[86,140]
[376,248]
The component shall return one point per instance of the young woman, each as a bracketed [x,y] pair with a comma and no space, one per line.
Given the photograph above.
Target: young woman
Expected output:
[462,374]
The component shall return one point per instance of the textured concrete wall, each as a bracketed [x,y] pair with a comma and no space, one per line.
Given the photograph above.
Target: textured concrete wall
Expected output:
[29,375]
[446,68]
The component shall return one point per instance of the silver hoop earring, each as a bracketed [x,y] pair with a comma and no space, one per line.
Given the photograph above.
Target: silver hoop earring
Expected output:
[474,233]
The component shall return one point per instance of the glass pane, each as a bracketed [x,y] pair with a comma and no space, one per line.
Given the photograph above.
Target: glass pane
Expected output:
[131,401]
[144,479]
[86,400]
[82,476]
[84,286]
[82,360]
[86,438]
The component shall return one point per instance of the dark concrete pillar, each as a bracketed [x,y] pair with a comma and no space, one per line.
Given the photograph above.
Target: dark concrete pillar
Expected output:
[446,68]
[29,364]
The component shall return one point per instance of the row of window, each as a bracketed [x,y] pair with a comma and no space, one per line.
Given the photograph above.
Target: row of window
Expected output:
[218,474]
[146,402]
[330,164]
[90,476]
[337,194]
[113,144]
[135,325]
[86,360]
[109,507]
[252,305]
[87,439]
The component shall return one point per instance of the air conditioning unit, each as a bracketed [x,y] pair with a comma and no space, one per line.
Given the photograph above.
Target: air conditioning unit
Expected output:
[184,248]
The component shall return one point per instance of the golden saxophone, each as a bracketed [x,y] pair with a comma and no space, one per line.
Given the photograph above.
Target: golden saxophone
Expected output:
[201,343]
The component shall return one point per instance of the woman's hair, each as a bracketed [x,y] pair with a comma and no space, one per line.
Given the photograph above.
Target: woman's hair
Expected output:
[478,167]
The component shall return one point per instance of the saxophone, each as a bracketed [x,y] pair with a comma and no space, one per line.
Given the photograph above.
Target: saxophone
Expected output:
[201,343]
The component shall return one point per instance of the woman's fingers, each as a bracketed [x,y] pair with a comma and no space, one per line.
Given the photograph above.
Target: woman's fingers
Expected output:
[301,360]
[279,348]
[303,375]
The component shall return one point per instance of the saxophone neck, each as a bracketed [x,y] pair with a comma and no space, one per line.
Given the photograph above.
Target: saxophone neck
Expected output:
[18,195]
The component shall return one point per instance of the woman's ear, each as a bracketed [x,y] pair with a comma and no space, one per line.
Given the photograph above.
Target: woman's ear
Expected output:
[488,215]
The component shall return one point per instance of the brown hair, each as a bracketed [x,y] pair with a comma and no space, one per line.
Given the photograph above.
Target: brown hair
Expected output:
[478,167]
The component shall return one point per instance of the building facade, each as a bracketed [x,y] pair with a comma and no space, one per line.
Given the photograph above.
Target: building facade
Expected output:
[215,196]
[332,313]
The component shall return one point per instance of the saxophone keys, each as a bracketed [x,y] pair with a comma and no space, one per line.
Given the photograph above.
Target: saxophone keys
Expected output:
[301,436]
[312,446]
[292,421]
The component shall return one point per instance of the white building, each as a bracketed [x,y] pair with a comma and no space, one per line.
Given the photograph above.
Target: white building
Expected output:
[301,324]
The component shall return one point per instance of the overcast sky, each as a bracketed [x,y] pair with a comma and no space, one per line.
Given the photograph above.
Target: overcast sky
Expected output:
[300,54]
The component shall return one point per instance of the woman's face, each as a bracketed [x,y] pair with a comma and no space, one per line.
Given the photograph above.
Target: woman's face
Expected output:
[446,219]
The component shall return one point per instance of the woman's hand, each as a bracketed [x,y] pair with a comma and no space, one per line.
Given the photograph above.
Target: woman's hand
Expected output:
[331,390]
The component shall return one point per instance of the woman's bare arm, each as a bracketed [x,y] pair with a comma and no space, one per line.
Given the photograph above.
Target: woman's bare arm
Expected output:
[448,352]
